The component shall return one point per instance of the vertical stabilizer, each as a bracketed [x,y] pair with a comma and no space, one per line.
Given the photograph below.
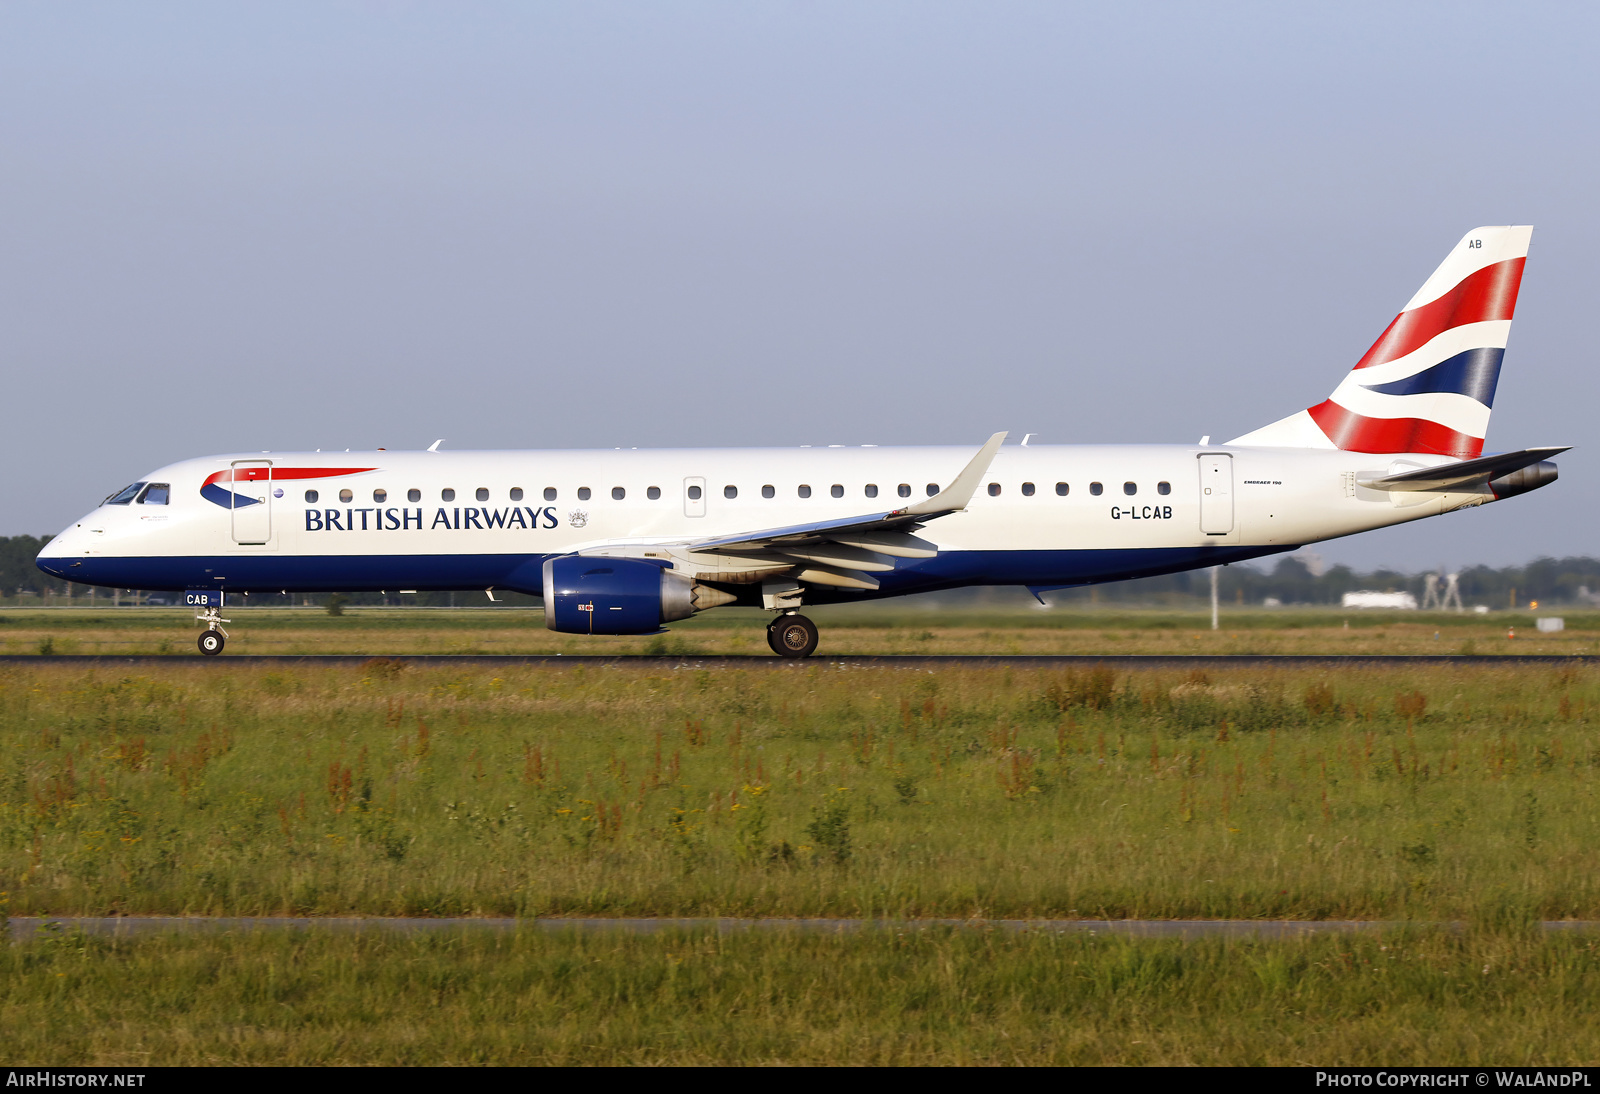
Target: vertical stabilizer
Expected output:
[1427,384]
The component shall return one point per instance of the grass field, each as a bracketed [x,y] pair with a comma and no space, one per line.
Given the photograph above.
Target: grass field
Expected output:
[848,629]
[209,788]
[1419,794]
[936,996]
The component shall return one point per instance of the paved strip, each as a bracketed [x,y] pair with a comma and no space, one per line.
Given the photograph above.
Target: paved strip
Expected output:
[891,661]
[26,928]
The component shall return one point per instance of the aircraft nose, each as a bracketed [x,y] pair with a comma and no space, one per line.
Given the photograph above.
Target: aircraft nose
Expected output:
[61,555]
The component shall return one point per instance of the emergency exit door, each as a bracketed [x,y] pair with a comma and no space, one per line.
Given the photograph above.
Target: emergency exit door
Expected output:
[252,501]
[694,496]
[1216,493]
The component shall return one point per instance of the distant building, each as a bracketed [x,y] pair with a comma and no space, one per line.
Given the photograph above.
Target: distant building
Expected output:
[1366,598]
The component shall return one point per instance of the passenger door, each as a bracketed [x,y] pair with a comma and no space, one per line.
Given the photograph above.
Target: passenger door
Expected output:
[1216,493]
[251,489]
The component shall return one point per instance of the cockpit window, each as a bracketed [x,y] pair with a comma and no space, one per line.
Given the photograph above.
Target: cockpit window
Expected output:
[155,494]
[123,497]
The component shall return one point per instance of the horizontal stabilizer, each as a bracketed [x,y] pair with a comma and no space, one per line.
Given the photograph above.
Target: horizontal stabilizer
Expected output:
[1464,474]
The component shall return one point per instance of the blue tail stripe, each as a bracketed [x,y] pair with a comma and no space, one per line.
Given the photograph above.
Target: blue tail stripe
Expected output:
[1473,373]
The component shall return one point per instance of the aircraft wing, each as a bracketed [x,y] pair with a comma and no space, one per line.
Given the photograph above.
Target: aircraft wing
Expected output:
[1463,474]
[843,552]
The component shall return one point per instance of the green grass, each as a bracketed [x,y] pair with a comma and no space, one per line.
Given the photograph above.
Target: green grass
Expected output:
[928,996]
[893,627]
[207,788]
[1417,795]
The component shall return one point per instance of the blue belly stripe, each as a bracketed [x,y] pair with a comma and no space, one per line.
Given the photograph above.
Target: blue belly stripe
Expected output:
[267,573]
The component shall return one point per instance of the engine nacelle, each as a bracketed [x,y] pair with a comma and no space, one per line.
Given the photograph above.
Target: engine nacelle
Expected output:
[598,595]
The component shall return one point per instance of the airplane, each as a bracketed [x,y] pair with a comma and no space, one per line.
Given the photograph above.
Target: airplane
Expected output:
[625,542]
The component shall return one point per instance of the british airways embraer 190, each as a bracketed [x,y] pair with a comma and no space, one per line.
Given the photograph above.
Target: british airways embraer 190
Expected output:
[622,542]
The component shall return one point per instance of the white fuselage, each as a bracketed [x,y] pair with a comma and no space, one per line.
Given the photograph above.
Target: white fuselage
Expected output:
[539,504]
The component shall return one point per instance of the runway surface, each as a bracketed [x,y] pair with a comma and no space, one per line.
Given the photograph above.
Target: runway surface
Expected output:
[777,664]
[24,928]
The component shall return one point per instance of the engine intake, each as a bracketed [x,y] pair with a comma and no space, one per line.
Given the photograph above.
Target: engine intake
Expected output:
[599,595]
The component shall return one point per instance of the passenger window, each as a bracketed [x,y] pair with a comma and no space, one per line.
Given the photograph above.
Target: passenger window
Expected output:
[413,494]
[583,493]
[447,494]
[346,496]
[516,493]
[836,490]
[618,493]
[805,491]
[694,493]
[904,490]
[872,489]
[1062,489]
[1027,489]
[994,490]
[483,493]
[1096,489]
[311,496]
[549,493]
[1163,488]
[767,492]
[654,493]
[1130,488]
[380,495]
[730,491]
[125,495]
[155,494]
[933,488]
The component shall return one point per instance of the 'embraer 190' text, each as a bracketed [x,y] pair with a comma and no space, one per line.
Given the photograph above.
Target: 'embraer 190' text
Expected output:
[400,520]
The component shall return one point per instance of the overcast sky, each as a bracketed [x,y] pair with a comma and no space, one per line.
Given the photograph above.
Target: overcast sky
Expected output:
[235,227]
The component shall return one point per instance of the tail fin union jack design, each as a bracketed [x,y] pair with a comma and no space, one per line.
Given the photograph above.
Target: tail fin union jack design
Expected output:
[1428,382]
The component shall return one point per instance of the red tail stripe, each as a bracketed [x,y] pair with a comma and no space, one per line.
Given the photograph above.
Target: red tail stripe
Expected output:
[1354,432]
[259,474]
[1491,293]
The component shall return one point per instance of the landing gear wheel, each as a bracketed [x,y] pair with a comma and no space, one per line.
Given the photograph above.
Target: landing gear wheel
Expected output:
[211,643]
[792,636]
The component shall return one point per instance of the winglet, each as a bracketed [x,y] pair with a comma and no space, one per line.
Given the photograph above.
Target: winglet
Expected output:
[434,447]
[958,493]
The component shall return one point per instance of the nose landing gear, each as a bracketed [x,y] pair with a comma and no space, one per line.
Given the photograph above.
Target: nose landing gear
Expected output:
[792,636]
[213,637]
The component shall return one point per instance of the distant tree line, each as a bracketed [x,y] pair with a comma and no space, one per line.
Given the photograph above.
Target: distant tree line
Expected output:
[1288,580]
[18,574]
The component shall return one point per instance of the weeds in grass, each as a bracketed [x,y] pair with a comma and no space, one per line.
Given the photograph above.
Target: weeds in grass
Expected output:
[1495,993]
[830,827]
[1234,793]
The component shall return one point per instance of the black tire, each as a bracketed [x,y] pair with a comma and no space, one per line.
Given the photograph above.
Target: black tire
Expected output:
[211,643]
[793,636]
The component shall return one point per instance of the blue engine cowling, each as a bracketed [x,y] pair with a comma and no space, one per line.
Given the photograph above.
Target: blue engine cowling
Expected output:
[596,595]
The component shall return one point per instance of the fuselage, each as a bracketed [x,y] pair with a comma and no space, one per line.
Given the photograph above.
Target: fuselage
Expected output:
[1045,516]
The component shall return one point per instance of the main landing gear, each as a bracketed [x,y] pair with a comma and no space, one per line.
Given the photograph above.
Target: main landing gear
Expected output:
[792,636]
[213,637]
